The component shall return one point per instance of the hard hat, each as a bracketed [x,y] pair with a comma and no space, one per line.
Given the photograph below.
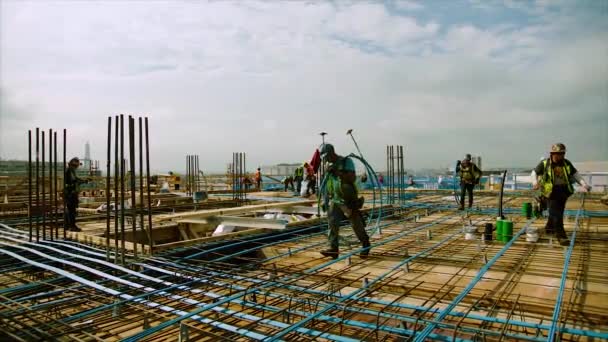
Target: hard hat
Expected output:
[467,157]
[326,149]
[558,148]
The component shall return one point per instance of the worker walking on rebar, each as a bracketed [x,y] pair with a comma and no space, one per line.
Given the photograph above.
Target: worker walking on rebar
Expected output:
[258,179]
[470,175]
[298,177]
[311,179]
[70,193]
[342,201]
[554,177]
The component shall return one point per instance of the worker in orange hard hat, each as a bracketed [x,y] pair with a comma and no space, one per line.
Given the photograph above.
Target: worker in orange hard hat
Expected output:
[554,177]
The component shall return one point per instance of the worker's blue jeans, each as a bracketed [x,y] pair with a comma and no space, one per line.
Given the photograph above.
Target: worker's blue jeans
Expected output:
[335,216]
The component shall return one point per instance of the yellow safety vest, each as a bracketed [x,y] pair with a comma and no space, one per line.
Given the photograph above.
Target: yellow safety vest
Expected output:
[548,178]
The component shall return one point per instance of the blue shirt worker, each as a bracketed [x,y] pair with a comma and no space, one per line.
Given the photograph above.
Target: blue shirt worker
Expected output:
[344,202]
[554,177]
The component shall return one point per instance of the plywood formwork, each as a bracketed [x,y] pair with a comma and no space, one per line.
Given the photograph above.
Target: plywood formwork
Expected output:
[422,281]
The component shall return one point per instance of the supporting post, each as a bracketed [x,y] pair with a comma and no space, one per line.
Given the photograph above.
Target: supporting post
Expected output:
[43,190]
[50,184]
[63,169]
[108,188]
[56,210]
[29,182]
[122,189]
[132,181]
[116,180]
[141,183]
[148,185]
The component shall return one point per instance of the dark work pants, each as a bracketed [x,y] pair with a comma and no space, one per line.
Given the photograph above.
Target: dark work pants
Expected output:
[464,187]
[71,204]
[335,215]
[556,205]
[298,184]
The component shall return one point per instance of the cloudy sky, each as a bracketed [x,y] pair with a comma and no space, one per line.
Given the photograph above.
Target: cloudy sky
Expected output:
[502,80]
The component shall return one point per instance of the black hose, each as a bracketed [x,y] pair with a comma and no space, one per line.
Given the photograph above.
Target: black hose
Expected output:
[502,189]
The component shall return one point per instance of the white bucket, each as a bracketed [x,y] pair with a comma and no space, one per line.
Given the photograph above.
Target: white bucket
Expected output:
[470,232]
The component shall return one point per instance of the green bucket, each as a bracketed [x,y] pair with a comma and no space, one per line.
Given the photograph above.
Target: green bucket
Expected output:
[507,230]
[526,210]
[499,224]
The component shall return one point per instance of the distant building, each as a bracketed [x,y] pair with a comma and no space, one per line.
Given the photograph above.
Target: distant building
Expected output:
[282,169]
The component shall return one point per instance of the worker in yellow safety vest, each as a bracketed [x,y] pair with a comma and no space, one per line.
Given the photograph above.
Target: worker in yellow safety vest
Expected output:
[554,177]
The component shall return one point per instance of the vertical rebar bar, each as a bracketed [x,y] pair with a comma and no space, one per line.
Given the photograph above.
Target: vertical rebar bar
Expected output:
[232,177]
[241,176]
[122,188]
[63,180]
[51,217]
[43,187]
[141,183]
[198,175]
[37,184]
[400,182]
[245,173]
[402,166]
[132,181]
[29,176]
[148,185]
[108,188]
[56,211]
[116,177]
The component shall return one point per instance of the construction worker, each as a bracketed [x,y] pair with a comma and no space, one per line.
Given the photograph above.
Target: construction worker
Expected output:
[71,189]
[258,179]
[470,175]
[298,177]
[554,177]
[341,201]
[288,183]
[311,179]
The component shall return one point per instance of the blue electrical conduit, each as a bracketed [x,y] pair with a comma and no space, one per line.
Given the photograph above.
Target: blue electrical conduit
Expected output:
[562,285]
[273,236]
[384,303]
[357,310]
[175,297]
[427,331]
[126,296]
[360,291]
[181,298]
[156,280]
[407,306]
[250,290]
[227,257]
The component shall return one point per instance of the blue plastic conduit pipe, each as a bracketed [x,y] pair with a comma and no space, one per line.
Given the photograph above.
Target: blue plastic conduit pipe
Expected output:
[562,285]
[427,331]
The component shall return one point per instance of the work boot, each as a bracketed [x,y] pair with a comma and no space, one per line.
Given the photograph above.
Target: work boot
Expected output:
[330,253]
[74,229]
[564,241]
[548,231]
[365,253]
[461,207]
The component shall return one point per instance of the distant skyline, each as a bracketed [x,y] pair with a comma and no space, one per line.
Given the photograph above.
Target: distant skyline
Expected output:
[503,80]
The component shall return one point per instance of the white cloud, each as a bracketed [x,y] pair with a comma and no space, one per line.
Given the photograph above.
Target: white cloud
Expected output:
[267,77]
